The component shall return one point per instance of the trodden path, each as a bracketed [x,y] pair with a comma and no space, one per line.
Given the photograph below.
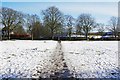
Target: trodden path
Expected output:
[59,68]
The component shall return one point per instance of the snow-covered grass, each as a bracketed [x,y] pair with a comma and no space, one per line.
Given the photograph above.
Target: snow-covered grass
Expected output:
[85,59]
[92,59]
[25,58]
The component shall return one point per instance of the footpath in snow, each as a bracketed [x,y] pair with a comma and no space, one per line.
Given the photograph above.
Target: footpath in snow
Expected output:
[59,65]
[52,59]
[32,59]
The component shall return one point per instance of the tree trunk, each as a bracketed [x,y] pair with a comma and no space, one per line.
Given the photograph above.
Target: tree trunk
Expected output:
[86,36]
[59,38]
[115,35]
[8,33]
[32,36]
[52,37]
[1,37]
[52,34]
[70,36]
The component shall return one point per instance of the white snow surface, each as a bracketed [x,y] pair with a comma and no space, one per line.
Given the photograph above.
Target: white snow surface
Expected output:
[23,58]
[92,59]
[85,59]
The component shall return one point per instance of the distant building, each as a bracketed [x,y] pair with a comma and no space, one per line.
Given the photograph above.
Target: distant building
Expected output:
[108,35]
[13,35]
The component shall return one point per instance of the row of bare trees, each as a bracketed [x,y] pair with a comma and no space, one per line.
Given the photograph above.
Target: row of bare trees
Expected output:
[53,22]
[10,19]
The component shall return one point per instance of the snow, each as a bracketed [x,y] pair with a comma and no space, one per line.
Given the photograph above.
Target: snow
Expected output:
[32,59]
[24,58]
[92,59]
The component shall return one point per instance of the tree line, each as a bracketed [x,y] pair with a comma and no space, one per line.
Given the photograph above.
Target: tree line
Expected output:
[54,22]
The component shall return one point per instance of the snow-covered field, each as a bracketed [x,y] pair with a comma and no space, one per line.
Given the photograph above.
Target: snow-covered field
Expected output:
[85,59]
[92,59]
[24,58]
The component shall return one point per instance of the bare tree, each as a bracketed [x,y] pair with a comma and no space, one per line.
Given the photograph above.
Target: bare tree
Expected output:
[101,28]
[113,26]
[11,19]
[87,22]
[53,19]
[119,28]
[78,29]
[69,22]
[0,25]
[19,30]
[31,20]
[37,30]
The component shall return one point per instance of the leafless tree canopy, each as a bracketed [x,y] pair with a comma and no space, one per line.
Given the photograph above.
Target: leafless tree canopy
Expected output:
[86,22]
[113,26]
[69,22]
[10,19]
[54,23]
[100,28]
[53,19]
[31,22]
